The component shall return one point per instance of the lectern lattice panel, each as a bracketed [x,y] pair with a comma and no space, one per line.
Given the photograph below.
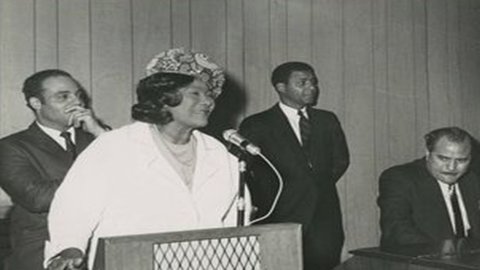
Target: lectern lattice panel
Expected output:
[232,253]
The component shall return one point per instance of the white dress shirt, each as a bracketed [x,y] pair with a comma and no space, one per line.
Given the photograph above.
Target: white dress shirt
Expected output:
[55,134]
[293,118]
[446,192]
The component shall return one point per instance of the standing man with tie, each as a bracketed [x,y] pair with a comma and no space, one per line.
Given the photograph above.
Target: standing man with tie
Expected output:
[434,198]
[33,162]
[309,149]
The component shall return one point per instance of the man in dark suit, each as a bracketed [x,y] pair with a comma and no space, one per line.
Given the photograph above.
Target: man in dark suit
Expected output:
[33,162]
[309,149]
[433,198]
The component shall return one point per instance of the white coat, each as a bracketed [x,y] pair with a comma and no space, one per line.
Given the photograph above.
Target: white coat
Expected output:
[122,185]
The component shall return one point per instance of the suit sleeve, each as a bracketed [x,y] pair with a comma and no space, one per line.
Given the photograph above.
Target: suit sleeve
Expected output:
[341,156]
[22,182]
[396,220]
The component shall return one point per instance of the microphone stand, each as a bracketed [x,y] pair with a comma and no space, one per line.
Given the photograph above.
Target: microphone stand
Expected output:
[242,167]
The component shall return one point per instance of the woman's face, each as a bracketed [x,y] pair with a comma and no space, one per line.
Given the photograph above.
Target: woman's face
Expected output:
[196,106]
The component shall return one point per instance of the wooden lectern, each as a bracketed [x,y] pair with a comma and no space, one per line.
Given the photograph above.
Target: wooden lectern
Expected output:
[274,246]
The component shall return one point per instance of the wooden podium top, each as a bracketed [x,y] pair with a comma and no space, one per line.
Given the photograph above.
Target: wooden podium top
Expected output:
[272,246]
[411,257]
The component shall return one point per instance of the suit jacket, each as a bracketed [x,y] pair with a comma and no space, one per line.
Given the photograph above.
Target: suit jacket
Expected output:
[309,196]
[32,166]
[412,207]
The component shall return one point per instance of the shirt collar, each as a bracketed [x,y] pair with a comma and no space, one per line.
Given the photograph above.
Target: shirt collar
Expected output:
[292,112]
[55,134]
[446,188]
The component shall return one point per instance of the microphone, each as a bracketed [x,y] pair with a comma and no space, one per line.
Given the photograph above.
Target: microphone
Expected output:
[234,137]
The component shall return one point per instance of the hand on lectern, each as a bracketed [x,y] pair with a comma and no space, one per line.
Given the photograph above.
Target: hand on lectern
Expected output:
[462,247]
[448,249]
[454,248]
[68,259]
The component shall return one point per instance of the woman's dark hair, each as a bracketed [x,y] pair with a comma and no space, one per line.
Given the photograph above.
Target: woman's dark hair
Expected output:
[156,91]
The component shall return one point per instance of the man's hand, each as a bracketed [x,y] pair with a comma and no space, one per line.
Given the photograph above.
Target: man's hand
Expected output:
[84,118]
[68,259]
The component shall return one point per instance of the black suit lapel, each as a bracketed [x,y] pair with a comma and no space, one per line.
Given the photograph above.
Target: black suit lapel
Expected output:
[50,159]
[469,189]
[82,140]
[281,123]
[49,145]
[287,135]
[43,141]
[317,140]
[432,196]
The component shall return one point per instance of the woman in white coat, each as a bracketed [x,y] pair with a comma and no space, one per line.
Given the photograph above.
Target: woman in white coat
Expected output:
[158,174]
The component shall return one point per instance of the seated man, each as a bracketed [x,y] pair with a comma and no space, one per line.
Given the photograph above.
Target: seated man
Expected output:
[433,198]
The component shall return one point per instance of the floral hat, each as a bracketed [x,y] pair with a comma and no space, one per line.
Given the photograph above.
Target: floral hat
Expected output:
[190,63]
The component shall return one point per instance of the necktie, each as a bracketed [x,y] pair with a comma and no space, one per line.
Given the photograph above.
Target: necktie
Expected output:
[305,129]
[459,228]
[70,146]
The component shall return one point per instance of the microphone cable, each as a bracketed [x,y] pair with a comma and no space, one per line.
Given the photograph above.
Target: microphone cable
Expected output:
[277,196]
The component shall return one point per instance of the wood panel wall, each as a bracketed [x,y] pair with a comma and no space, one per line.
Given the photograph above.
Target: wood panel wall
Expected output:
[391,70]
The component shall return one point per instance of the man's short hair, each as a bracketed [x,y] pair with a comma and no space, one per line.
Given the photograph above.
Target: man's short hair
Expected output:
[32,86]
[282,73]
[452,134]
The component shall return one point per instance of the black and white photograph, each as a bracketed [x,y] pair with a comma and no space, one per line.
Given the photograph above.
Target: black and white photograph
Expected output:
[239,134]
